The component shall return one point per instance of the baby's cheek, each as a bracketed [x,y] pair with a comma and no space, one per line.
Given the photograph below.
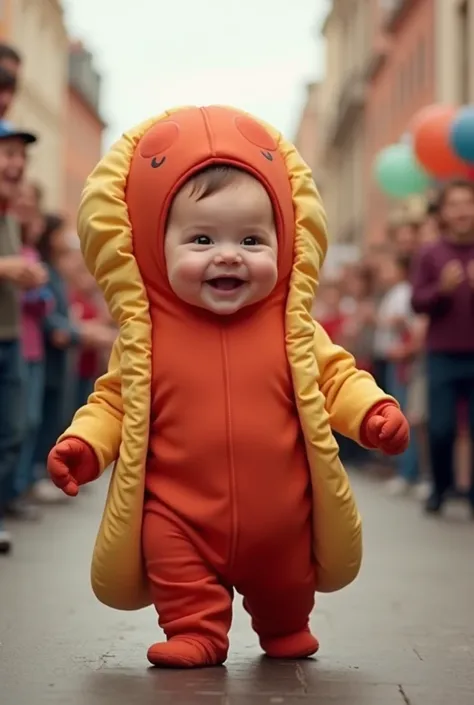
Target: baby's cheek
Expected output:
[190,268]
[265,269]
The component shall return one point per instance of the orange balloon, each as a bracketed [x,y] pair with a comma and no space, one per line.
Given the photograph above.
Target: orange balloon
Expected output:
[430,128]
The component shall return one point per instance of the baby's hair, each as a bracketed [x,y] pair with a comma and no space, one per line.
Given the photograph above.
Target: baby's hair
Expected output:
[213,179]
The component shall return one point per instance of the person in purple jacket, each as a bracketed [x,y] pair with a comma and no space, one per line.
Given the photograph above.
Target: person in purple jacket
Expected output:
[443,290]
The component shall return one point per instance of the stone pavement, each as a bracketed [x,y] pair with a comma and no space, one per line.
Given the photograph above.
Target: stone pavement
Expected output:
[404,633]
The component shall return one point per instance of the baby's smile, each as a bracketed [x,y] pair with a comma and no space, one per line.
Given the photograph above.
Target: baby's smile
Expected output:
[226,284]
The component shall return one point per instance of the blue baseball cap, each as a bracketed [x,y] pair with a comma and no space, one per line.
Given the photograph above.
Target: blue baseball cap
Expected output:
[7,130]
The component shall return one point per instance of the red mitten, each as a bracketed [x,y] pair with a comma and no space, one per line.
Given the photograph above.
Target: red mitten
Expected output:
[72,463]
[386,428]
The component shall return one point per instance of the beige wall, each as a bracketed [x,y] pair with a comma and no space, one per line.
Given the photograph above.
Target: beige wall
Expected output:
[306,139]
[450,47]
[37,30]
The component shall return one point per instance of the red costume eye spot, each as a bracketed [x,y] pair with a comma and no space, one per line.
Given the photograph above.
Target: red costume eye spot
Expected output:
[255,133]
[158,139]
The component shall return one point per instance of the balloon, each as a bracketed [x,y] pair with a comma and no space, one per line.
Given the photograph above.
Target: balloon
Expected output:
[397,172]
[462,134]
[431,129]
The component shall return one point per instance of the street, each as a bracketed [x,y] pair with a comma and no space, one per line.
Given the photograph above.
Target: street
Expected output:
[404,633]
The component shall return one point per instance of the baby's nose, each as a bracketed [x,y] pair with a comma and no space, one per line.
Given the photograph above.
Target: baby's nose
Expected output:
[228,255]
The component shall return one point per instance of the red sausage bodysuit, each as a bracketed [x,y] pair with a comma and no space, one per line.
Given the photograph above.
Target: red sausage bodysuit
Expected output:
[228,489]
[230,496]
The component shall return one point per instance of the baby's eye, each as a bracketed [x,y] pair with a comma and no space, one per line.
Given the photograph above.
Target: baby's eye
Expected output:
[202,240]
[250,241]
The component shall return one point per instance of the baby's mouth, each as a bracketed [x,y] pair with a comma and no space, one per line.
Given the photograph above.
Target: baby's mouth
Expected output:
[225,283]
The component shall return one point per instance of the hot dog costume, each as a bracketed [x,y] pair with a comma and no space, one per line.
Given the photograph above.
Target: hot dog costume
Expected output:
[226,470]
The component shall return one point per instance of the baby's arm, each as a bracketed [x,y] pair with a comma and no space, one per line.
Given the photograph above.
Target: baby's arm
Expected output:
[350,393]
[99,422]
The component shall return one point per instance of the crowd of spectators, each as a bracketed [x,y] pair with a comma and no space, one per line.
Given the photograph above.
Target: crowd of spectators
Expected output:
[406,312]
[55,332]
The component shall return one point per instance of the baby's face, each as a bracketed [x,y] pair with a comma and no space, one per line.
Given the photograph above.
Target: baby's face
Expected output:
[221,251]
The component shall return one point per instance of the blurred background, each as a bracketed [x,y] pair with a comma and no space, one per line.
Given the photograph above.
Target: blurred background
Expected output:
[376,95]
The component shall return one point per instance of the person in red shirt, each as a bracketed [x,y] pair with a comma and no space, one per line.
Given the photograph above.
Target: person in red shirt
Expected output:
[327,309]
[86,308]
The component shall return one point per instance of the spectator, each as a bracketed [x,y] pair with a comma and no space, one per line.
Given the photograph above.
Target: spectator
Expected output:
[429,229]
[10,64]
[443,289]
[327,308]
[393,331]
[63,338]
[86,310]
[60,336]
[358,329]
[412,356]
[357,335]
[405,238]
[16,273]
[35,305]
[375,260]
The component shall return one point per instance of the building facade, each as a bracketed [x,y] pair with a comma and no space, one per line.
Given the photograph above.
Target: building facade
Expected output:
[84,126]
[385,59]
[306,139]
[36,28]
[402,80]
[343,101]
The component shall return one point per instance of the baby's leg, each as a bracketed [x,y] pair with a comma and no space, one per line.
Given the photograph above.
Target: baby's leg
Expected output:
[194,609]
[279,596]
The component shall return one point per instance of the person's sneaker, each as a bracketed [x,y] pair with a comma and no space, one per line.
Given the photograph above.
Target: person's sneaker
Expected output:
[23,510]
[45,492]
[423,490]
[398,487]
[434,503]
[6,541]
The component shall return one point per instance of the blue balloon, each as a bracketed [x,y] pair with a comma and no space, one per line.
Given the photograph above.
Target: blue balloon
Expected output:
[462,134]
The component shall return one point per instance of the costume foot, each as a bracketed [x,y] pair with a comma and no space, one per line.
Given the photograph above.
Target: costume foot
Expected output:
[299,645]
[185,652]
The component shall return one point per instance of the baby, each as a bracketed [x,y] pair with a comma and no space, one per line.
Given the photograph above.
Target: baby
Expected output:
[221,246]
[205,232]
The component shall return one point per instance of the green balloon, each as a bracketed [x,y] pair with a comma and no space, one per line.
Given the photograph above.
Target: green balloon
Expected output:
[397,172]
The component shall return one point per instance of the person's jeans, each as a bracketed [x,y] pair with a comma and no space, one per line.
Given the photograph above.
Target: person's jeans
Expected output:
[407,463]
[52,425]
[450,378]
[34,386]
[12,417]
[85,387]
